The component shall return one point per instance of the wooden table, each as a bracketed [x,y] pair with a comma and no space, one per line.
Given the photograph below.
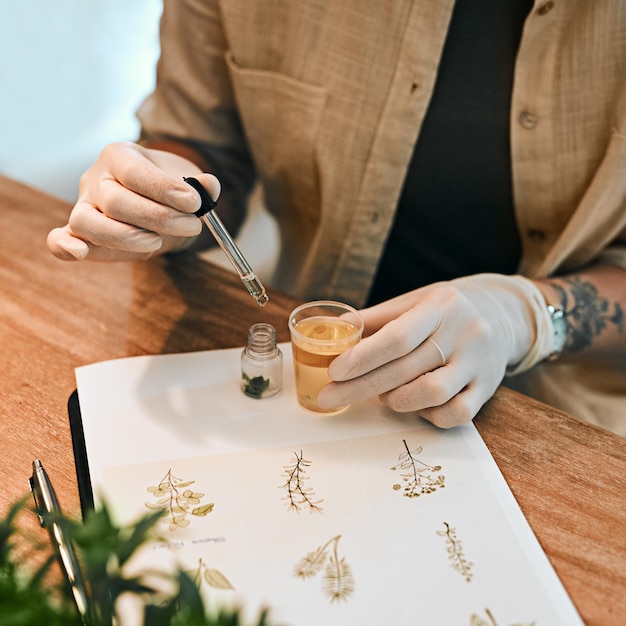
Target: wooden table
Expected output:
[568,477]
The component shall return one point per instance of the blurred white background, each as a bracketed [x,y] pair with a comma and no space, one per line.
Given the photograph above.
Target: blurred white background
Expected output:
[72,74]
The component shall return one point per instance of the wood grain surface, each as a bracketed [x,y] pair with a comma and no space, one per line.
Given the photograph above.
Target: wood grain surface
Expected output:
[568,477]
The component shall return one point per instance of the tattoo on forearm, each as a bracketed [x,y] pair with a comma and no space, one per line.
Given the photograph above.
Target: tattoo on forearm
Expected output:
[588,314]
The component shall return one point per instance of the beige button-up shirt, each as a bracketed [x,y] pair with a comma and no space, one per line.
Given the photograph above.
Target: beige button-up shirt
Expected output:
[328,98]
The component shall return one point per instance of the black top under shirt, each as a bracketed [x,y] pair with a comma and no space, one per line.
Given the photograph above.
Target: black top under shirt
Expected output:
[455,216]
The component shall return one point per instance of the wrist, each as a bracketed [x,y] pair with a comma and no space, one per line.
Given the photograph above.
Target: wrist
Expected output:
[524,318]
[540,320]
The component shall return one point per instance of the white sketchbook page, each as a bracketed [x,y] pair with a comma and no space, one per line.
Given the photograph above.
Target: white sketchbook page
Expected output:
[145,416]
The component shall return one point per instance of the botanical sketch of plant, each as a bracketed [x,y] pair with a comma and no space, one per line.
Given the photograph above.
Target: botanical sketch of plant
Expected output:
[419,477]
[455,552]
[337,579]
[476,620]
[177,500]
[213,577]
[298,496]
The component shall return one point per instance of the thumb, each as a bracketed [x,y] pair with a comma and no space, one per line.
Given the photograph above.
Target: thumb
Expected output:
[209,183]
[65,246]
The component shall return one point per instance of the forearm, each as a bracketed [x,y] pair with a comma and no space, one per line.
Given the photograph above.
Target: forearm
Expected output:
[594,301]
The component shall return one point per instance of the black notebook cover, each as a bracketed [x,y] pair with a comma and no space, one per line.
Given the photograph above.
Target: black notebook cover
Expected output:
[80,453]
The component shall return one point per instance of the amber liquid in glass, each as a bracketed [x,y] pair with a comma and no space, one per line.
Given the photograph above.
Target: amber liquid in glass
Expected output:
[311,359]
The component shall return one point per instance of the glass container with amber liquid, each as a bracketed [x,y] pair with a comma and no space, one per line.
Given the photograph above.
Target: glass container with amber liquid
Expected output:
[316,341]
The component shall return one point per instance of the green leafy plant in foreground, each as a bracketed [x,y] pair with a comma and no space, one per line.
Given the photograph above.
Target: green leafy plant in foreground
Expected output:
[33,595]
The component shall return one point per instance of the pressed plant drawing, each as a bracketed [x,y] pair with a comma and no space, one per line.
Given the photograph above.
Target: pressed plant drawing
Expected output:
[455,552]
[337,578]
[209,575]
[173,495]
[419,478]
[477,620]
[299,497]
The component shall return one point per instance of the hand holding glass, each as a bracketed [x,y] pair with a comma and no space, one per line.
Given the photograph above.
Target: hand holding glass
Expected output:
[320,331]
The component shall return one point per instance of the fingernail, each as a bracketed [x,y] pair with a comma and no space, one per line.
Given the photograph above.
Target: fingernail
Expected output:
[326,400]
[339,369]
[75,248]
[145,241]
[197,200]
[184,226]
[197,197]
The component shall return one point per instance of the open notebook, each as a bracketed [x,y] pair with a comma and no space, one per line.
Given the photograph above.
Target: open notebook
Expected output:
[361,518]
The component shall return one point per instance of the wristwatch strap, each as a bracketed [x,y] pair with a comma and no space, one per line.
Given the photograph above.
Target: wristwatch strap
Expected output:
[559,330]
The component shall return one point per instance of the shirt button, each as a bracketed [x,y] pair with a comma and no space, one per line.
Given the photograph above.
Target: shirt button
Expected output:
[536,235]
[528,120]
[545,8]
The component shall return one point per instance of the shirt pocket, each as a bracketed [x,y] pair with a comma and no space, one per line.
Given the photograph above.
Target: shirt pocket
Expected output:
[281,117]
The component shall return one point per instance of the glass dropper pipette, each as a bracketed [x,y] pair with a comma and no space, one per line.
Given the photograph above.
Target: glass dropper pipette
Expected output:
[207,214]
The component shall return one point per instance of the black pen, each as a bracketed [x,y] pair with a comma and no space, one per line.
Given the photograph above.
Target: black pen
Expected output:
[47,504]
